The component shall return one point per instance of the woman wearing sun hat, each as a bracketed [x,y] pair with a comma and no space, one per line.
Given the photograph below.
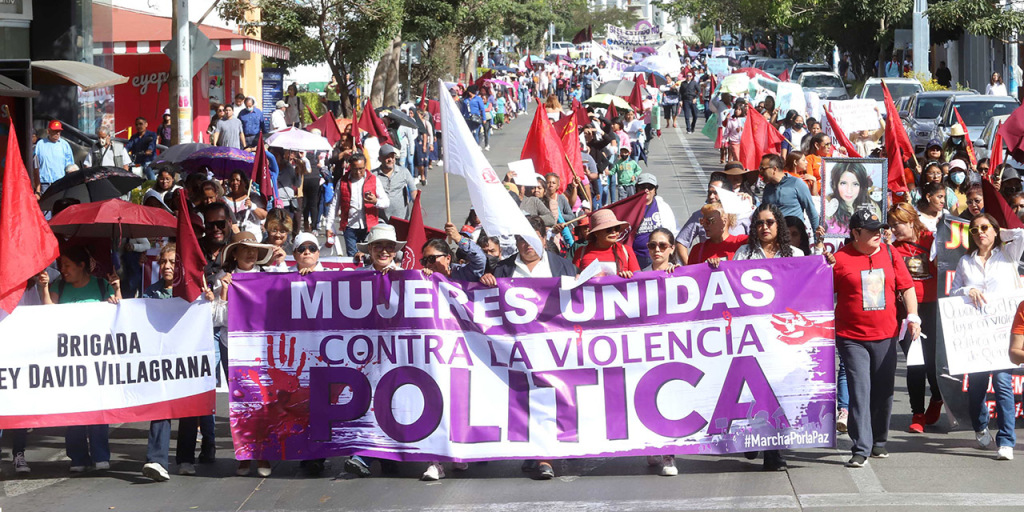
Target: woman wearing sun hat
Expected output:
[605,245]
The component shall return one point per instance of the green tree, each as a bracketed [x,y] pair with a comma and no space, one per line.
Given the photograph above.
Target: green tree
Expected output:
[978,17]
[575,15]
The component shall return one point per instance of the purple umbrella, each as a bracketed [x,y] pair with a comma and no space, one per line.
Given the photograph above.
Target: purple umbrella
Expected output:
[220,160]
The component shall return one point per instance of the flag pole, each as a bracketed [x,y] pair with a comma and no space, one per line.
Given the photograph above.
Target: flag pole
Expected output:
[447,195]
[573,171]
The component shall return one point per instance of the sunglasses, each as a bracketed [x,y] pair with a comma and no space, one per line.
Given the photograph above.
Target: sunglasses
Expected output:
[659,246]
[311,248]
[219,224]
[430,260]
[613,229]
[389,246]
[981,228]
[764,222]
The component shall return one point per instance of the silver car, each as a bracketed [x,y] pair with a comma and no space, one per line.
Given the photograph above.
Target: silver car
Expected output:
[827,84]
[975,110]
[922,111]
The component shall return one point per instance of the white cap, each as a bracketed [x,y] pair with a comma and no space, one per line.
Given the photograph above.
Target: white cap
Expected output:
[304,237]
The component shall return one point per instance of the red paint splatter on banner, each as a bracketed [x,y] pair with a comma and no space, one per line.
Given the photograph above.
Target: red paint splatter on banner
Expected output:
[798,329]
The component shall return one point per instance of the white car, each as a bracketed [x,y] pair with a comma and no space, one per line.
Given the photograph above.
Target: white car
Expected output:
[561,48]
[898,88]
[827,84]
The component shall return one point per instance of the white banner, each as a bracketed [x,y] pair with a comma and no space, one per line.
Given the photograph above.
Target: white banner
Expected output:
[978,340]
[98,363]
[855,115]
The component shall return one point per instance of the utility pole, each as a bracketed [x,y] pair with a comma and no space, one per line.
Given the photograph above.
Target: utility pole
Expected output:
[181,74]
[922,39]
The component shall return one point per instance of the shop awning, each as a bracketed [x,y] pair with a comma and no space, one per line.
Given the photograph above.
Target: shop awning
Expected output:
[63,72]
[14,89]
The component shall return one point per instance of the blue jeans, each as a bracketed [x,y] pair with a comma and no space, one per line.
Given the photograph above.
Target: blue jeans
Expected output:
[353,237]
[410,160]
[159,443]
[842,389]
[149,172]
[977,407]
[613,189]
[88,444]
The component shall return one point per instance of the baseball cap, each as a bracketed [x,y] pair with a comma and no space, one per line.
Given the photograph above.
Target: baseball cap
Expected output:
[281,103]
[386,150]
[647,179]
[303,238]
[864,219]
[934,143]
[55,125]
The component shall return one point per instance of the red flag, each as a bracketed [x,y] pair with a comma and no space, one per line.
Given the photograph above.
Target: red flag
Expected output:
[561,123]
[840,136]
[759,138]
[581,113]
[260,174]
[434,108]
[544,146]
[784,76]
[312,115]
[583,36]
[967,138]
[897,144]
[415,237]
[631,210]
[189,261]
[482,81]
[611,113]
[371,123]
[423,98]
[328,126]
[995,154]
[636,97]
[402,229]
[640,78]
[529,62]
[570,136]
[27,244]
[996,206]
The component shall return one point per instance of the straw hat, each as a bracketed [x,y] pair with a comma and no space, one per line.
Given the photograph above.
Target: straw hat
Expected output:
[604,219]
[380,233]
[264,251]
[956,131]
[734,169]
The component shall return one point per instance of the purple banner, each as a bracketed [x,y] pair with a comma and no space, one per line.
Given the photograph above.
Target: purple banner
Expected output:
[412,368]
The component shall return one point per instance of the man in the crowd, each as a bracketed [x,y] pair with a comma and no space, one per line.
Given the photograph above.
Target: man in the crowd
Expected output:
[398,183]
[52,156]
[657,215]
[252,122]
[229,130]
[787,192]
[239,102]
[277,120]
[528,262]
[142,146]
[108,152]
[359,200]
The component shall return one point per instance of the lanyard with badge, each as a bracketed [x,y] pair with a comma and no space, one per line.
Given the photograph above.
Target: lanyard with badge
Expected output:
[872,282]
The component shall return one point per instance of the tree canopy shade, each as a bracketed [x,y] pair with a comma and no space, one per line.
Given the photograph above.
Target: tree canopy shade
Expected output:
[979,17]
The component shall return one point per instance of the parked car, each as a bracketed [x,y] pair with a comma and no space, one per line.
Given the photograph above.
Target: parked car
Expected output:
[803,67]
[975,110]
[921,112]
[898,88]
[775,66]
[561,48]
[827,84]
[983,145]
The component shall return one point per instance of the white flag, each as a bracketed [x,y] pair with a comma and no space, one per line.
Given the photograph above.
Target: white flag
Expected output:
[495,208]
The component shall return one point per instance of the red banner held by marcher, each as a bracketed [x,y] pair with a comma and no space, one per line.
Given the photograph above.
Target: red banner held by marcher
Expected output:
[189,261]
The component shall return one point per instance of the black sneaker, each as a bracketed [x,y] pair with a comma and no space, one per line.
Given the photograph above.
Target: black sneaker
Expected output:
[879,452]
[357,467]
[750,455]
[857,461]
[773,461]
[546,472]
[313,468]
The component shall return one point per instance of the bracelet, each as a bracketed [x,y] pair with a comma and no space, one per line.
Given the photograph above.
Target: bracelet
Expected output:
[914,319]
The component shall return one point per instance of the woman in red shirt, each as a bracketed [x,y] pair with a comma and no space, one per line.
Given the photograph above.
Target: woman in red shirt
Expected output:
[604,245]
[913,242]
[719,245]
[866,277]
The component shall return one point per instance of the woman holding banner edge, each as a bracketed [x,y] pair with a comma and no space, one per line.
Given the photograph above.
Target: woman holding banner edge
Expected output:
[990,267]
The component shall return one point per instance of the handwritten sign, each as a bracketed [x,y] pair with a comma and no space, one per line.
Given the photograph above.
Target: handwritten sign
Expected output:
[978,340]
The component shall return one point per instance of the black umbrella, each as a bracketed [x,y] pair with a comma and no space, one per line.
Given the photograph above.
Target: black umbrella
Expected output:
[397,115]
[175,154]
[90,185]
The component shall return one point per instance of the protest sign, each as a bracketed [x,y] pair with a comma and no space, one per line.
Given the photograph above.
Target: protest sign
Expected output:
[855,115]
[719,67]
[411,368]
[978,340]
[99,363]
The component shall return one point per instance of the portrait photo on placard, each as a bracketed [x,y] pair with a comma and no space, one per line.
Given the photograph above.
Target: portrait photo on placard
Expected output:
[850,185]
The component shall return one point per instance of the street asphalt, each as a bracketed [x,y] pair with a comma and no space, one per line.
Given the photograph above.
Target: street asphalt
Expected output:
[935,471]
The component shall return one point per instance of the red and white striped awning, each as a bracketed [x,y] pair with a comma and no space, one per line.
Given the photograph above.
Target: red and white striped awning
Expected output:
[225,45]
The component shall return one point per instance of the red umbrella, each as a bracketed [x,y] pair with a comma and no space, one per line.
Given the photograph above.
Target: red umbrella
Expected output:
[754,73]
[1013,134]
[114,219]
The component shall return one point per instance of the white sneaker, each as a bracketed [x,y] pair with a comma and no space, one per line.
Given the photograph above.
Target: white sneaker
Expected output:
[668,466]
[77,469]
[984,438]
[460,466]
[653,460]
[103,465]
[842,420]
[154,471]
[20,466]
[1004,453]
[433,472]
[187,469]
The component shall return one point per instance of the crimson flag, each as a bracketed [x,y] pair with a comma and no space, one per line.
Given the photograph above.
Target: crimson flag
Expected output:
[260,174]
[328,126]
[583,36]
[630,210]
[561,123]
[27,244]
[529,61]
[415,237]
[482,81]
[423,98]
[371,123]
[840,136]
[570,136]
[402,229]
[582,118]
[641,79]
[784,76]
[897,144]
[544,147]
[636,97]
[189,261]
[759,138]
[611,113]
[967,138]
[996,206]
[995,154]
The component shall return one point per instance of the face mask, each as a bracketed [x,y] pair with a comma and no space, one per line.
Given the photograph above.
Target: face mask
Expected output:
[958,177]
[492,261]
[798,126]
[957,140]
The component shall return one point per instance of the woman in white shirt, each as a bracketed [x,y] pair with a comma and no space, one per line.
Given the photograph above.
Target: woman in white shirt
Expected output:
[990,267]
[995,86]
[931,206]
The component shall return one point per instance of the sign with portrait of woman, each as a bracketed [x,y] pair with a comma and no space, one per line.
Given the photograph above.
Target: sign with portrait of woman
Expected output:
[850,185]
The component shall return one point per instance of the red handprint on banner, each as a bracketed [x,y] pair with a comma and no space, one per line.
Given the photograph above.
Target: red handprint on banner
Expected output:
[798,329]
